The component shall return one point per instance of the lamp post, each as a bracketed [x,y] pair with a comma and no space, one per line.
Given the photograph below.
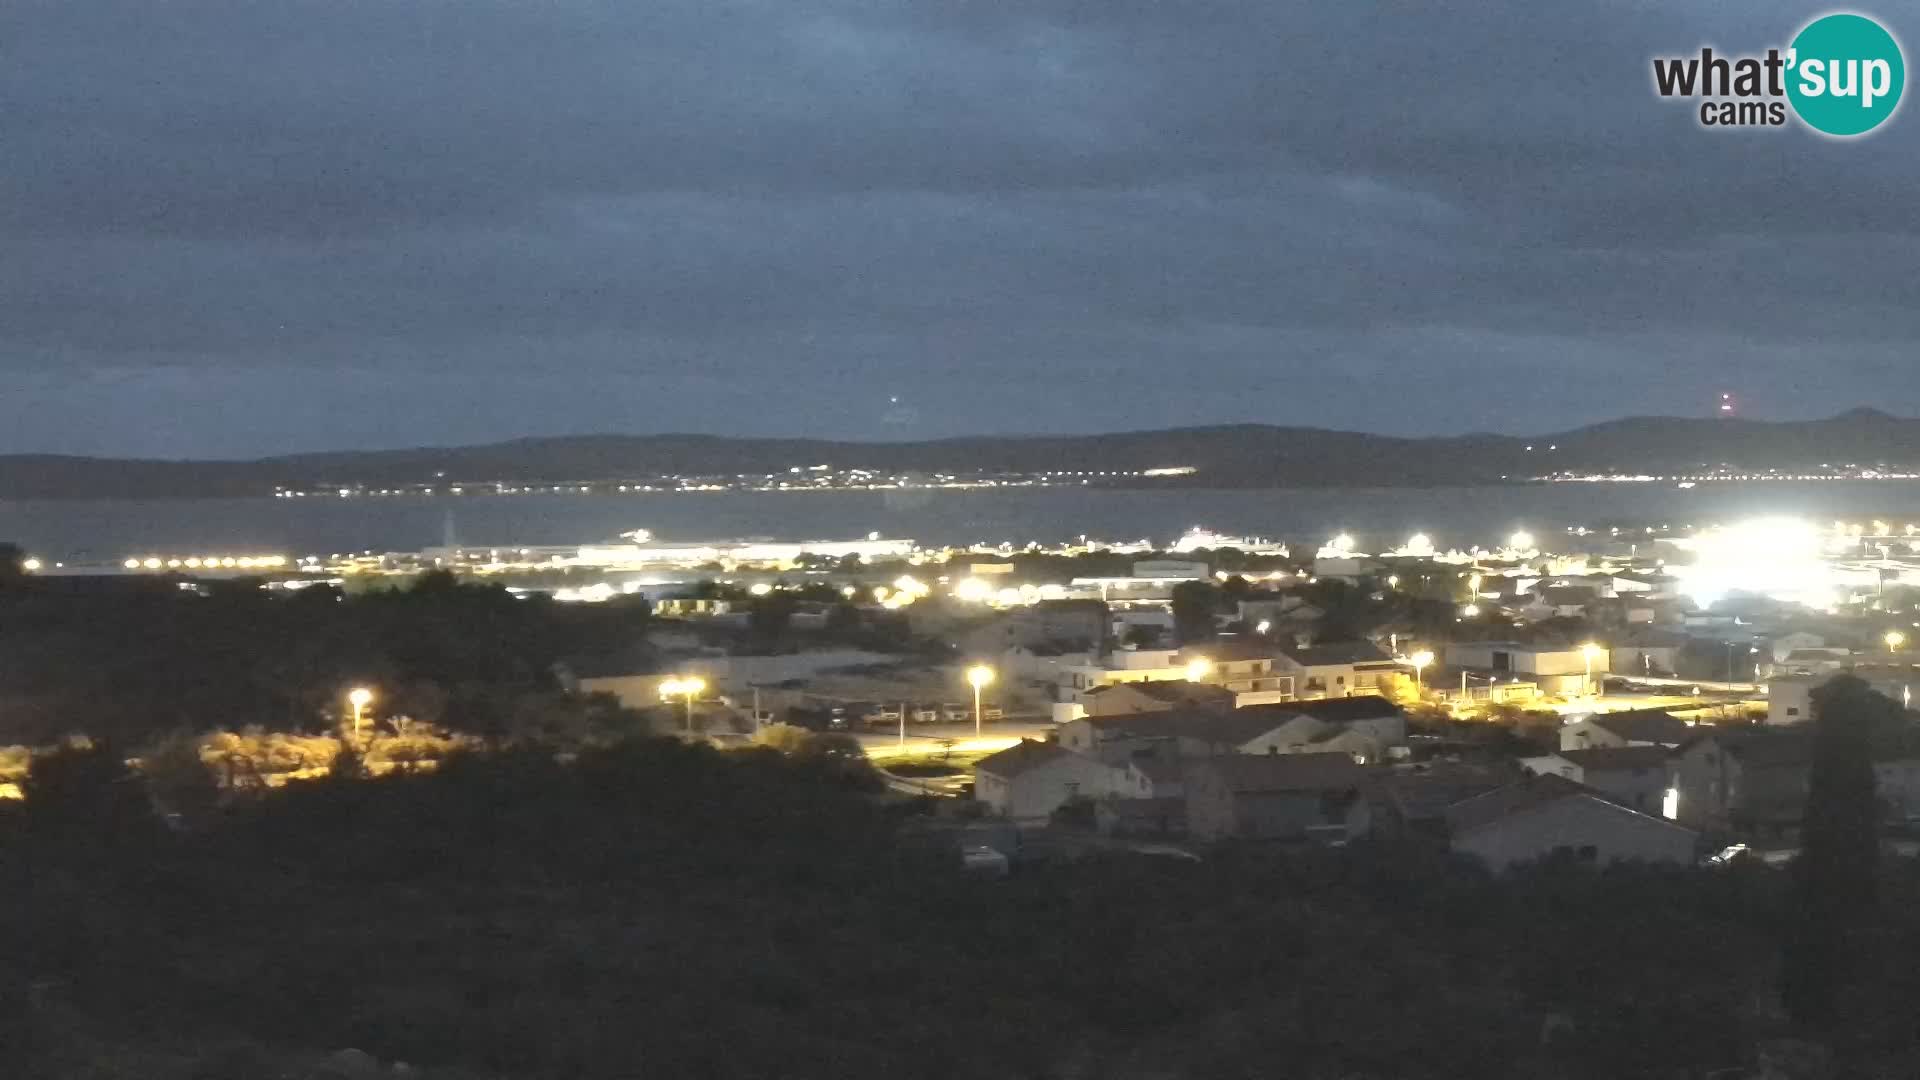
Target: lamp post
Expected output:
[978,676]
[1589,652]
[689,687]
[1197,668]
[359,697]
[1894,640]
[1419,661]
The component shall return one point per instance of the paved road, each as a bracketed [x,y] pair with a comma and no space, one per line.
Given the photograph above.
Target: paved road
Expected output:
[927,738]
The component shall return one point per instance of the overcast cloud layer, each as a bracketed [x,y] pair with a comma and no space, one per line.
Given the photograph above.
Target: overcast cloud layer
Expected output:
[236,228]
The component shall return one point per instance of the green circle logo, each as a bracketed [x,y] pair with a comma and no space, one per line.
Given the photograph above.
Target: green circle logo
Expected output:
[1845,74]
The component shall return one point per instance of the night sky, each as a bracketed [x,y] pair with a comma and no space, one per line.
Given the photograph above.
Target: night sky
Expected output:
[240,228]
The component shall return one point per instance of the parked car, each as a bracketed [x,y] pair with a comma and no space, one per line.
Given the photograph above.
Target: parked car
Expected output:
[954,714]
[991,712]
[926,714]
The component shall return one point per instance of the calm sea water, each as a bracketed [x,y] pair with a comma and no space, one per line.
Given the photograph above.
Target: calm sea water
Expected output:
[85,530]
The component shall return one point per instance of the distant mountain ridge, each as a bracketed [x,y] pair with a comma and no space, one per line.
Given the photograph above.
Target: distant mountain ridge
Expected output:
[1227,456]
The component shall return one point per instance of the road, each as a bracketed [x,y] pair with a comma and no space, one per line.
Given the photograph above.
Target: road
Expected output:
[925,739]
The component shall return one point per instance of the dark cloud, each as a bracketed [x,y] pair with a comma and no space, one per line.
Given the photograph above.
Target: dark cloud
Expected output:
[234,227]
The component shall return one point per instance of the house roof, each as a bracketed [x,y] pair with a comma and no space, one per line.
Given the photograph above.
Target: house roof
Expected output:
[1610,758]
[1338,653]
[1424,793]
[1172,691]
[1249,774]
[1023,757]
[1569,595]
[1522,796]
[1340,710]
[1644,725]
[1235,650]
[1160,770]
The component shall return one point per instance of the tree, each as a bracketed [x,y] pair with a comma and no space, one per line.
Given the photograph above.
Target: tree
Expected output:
[768,616]
[1194,604]
[1833,879]
[87,788]
[13,563]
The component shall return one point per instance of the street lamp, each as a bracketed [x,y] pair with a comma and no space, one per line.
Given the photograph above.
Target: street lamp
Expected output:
[978,676]
[1589,653]
[690,687]
[1197,668]
[359,697]
[1894,640]
[1262,628]
[1419,661]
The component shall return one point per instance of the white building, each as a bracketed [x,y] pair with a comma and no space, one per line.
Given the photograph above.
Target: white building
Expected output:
[1633,776]
[1633,727]
[1555,669]
[1790,697]
[1033,779]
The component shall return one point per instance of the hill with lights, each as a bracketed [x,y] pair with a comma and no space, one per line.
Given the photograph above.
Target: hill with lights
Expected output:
[1859,442]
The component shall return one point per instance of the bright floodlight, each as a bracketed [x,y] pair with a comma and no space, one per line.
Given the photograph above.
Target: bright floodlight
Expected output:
[972,590]
[359,697]
[1590,651]
[692,685]
[1471,611]
[1894,640]
[1262,627]
[1420,659]
[1521,541]
[1197,668]
[669,688]
[979,675]
[1781,558]
[761,589]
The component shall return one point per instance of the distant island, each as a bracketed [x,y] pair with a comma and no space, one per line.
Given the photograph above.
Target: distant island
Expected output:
[1858,443]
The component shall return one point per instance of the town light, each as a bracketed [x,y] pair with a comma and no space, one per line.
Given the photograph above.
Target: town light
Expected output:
[760,589]
[1471,611]
[1393,581]
[30,565]
[1419,661]
[978,676]
[1894,640]
[359,697]
[1197,668]
[1262,627]
[689,687]
[1521,541]
[1589,653]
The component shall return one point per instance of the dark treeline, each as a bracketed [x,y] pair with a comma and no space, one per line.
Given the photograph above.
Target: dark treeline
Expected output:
[135,659]
[654,909]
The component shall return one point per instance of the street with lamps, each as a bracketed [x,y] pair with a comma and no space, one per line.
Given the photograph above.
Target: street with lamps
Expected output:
[978,677]
[689,687]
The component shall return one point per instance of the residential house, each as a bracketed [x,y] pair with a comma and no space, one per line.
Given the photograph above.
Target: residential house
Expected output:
[1790,697]
[1648,652]
[1367,726]
[1184,732]
[1335,670]
[1413,800]
[1032,779]
[1633,776]
[1547,815]
[1119,699]
[1560,602]
[1286,797]
[1633,727]
[1556,669]
[1740,778]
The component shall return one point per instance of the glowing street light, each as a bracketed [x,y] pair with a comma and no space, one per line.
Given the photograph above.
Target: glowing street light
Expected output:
[1589,653]
[1197,668]
[1262,627]
[359,697]
[1419,661]
[1521,541]
[690,687]
[1894,640]
[1471,611]
[1393,581]
[978,677]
